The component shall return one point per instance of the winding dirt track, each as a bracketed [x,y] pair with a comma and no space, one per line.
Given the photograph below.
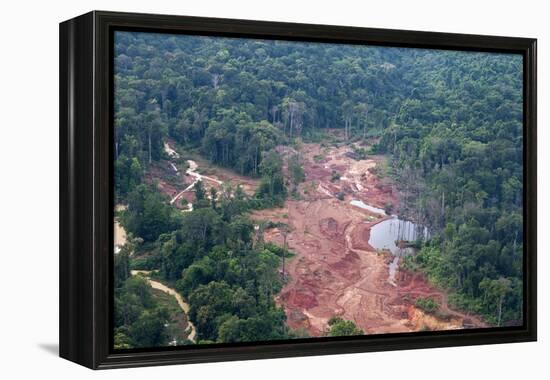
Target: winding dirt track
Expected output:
[191,171]
[192,332]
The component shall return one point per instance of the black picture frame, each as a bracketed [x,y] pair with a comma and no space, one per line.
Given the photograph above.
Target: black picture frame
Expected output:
[86,188]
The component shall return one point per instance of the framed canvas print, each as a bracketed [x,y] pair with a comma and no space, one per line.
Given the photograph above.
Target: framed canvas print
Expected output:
[236,189]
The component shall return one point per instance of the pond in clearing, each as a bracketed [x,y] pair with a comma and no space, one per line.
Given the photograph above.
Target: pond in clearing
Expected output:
[385,234]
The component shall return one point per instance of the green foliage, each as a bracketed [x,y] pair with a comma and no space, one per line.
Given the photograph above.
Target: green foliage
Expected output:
[296,170]
[478,289]
[272,185]
[213,197]
[122,268]
[144,262]
[148,330]
[277,250]
[139,321]
[200,193]
[128,174]
[429,305]
[229,283]
[456,151]
[254,329]
[121,340]
[318,158]
[494,292]
[209,303]
[148,215]
[341,327]
[359,153]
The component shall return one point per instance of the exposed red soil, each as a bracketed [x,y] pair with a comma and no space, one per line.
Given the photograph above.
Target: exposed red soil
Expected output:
[171,182]
[168,181]
[248,184]
[335,271]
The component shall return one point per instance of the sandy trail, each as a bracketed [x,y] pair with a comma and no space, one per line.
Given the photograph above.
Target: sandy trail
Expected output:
[119,236]
[191,171]
[182,304]
[173,184]
[171,152]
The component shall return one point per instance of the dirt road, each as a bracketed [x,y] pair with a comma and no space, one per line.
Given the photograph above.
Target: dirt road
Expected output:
[191,171]
[192,332]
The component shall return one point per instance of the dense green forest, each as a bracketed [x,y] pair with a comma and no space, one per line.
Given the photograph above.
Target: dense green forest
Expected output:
[456,149]
[451,123]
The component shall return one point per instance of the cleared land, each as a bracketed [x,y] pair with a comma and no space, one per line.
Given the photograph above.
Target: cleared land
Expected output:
[335,271]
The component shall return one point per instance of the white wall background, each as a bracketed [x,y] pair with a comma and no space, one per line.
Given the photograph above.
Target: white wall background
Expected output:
[29,187]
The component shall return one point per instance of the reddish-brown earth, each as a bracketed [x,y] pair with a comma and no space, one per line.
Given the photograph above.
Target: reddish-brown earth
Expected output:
[168,181]
[335,271]
[230,177]
[171,177]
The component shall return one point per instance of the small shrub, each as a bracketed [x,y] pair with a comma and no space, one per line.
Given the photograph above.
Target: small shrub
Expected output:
[318,158]
[427,304]
[341,327]
[360,153]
